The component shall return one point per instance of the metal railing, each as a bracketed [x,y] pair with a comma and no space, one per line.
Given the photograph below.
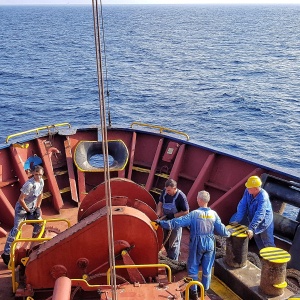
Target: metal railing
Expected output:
[187,289]
[160,128]
[37,130]
[37,239]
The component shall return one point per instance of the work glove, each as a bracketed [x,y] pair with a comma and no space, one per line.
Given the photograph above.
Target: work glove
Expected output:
[157,221]
[170,216]
[37,212]
[31,212]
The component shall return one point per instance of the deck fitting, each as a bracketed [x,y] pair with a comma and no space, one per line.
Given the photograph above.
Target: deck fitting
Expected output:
[244,281]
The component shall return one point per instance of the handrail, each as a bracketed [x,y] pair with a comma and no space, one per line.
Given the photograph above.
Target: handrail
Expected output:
[37,130]
[18,239]
[161,129]
[187,289]
[85,285]
[140,266]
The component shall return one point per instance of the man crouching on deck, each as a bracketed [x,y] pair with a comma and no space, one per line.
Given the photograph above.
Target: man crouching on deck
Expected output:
[203,222]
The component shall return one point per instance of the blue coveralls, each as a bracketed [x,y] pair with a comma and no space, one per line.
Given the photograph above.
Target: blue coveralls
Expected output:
[259,217]
[203,222]
[173,244]
[32,190]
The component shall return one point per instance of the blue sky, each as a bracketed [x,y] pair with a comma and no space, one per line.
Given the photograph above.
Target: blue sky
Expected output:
[88,2]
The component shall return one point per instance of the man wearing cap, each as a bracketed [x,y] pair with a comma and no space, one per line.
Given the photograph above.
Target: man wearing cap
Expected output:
[255,205]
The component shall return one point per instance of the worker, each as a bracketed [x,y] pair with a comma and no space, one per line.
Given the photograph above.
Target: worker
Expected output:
[28,207]
[202,222]
[255,210]
[172,204]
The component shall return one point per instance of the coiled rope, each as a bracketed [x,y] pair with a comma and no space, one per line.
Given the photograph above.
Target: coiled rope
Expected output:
[254,258]
[175,265]
[292,279]
[220,243]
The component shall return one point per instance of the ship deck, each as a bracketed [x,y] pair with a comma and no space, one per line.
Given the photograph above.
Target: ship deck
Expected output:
[218,289]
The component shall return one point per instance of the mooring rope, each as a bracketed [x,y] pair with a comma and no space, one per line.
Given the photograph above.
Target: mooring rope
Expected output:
[173,264]
[254,258]
[292,276]
[220,243]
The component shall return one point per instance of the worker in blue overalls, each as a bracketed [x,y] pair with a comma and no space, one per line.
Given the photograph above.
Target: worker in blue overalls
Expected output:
[203,222]
[255,211]
[172,204]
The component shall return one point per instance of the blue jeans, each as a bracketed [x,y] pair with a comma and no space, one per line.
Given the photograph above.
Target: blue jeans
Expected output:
[20,215]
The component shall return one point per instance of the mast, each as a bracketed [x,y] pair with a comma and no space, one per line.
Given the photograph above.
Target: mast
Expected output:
[97,35]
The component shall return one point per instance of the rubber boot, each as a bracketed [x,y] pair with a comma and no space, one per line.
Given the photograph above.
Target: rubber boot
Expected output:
[193,295]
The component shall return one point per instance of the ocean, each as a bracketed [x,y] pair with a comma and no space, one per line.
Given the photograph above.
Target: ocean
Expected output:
[228,76]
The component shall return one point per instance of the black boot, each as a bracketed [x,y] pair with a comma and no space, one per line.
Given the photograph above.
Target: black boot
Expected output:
[6,258]
[199,291]
[193,295]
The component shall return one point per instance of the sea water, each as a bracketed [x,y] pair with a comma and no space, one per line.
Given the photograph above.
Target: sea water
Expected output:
[228,76]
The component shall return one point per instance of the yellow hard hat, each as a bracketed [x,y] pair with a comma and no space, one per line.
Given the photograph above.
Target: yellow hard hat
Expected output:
[253,181]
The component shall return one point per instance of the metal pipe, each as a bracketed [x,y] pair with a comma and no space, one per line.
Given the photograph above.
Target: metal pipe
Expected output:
[62,289]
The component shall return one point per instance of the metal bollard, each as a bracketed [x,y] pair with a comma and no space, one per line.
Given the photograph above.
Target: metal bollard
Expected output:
[273,271]
[237,246]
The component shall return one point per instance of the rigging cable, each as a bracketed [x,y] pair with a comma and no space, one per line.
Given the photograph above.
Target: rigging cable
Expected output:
[97,36]
[105,67]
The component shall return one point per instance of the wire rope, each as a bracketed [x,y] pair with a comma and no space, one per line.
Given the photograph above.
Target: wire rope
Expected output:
[97,35]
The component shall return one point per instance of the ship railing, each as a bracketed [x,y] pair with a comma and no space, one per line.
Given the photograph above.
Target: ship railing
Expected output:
[51,129]
[160,128]
[20,239]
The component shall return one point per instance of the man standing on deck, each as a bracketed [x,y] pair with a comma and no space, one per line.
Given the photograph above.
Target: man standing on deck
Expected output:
[27,208]
[255,205]
[203,222]
[172,204]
